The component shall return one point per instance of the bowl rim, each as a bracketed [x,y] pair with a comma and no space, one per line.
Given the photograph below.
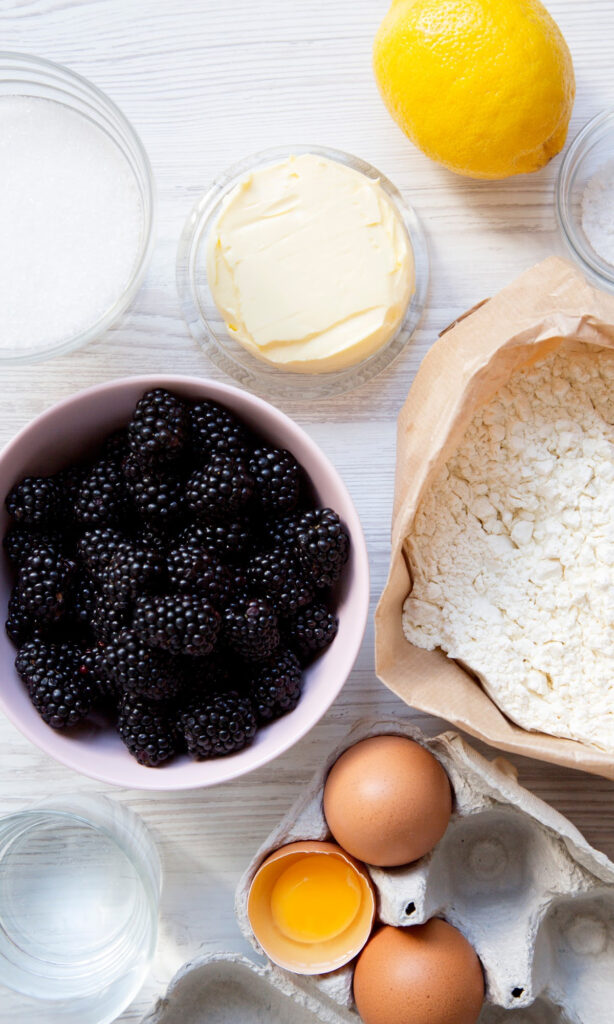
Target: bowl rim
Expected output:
[154,779]
[25,62]
[588,259]
[245,369]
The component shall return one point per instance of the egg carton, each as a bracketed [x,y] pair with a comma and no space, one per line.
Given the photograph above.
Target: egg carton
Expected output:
[533,898]
[227,988]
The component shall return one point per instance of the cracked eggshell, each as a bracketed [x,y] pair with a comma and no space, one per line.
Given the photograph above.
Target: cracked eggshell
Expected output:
[516,878]
[299,957]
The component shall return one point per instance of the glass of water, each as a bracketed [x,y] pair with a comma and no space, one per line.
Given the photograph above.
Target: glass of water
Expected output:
[80,882]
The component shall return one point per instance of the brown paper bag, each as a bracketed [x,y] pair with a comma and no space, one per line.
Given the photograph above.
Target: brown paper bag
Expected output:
[546,305]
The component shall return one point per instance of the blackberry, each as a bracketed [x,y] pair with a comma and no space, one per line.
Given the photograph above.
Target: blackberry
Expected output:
[250,627]
[191,567]
[311,630]
[36,659]
[276,575]
[115,445]
[276,686]
[238,580]
[102,497]
[158,498]
[91,667]
[153,538]
[133,570]
[35,500]
[43,584]
[323,544]
[69,481]
[20,541]
[97,546]
[178,623]
[20,625]
[277,479]
[135,667]
[159,428]
[61,702]
[61,697]
[108,619]
[229,539]
[85,599]
[133,470]
[281,532]
[215,429]
[218,725]
[146,730]
[220,489]
[295,593]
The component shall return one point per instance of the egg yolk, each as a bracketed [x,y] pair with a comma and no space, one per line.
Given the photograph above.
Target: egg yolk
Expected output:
[316,898]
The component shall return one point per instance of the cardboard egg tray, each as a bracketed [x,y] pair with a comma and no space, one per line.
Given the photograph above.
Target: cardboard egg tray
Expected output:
[226,988]
[513,875]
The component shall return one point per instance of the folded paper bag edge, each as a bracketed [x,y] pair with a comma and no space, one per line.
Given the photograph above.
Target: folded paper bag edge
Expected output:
[463,316]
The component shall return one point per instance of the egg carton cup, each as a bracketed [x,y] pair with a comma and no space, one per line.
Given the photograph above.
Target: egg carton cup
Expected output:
[521,883]
[228,988]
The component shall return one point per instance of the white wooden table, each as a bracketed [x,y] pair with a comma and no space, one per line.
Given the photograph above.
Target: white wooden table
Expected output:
[206,82]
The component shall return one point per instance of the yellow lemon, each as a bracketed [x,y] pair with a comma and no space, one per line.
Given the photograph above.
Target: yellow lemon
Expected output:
[485,87]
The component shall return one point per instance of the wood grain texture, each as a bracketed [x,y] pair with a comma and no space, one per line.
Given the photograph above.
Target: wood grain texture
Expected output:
[206,82]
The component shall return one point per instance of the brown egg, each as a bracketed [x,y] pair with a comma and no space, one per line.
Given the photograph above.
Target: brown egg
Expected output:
[387,801]
[428,974]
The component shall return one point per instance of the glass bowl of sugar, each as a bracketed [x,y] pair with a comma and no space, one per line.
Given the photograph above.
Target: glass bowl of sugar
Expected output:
[585,199]
[76,208]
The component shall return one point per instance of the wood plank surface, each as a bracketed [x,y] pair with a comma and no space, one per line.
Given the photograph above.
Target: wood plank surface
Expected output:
[206,82]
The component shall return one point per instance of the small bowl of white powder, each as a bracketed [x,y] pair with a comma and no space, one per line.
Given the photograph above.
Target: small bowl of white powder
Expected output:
[585,199]
[76,208]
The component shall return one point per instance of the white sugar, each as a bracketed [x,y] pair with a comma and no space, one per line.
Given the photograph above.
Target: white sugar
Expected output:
[70,223]
[598,212]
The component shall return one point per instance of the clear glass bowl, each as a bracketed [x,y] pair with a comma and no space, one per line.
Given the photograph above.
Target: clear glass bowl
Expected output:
[80,881]
[24,75]
[590,150]
[207,325]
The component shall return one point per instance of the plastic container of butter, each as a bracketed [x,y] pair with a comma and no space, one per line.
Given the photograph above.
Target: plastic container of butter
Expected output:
[207,325]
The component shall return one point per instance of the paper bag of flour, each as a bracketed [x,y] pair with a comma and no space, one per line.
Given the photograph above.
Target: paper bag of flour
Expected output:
[549,304]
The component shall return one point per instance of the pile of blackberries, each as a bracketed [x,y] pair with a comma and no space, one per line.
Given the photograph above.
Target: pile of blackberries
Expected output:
[178,582]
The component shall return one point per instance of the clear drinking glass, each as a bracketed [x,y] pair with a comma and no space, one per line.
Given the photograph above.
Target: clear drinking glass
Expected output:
[80,884]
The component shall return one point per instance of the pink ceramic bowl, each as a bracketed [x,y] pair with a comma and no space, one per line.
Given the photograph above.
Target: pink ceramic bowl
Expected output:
[66,432]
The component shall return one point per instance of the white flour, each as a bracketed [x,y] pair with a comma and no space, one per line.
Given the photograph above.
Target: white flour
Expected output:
[71,223]
[598,212]
[512,550]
